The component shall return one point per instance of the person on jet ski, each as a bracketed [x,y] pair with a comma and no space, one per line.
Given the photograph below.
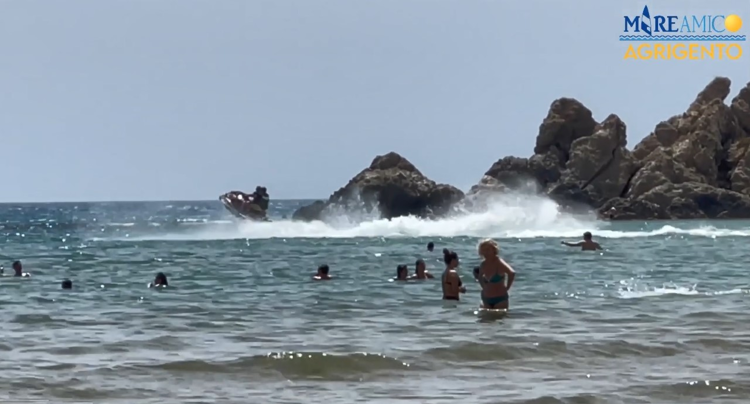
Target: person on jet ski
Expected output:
[263,198]
[260,197]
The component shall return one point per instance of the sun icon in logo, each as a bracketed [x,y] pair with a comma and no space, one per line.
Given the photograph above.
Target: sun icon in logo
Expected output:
[733,23]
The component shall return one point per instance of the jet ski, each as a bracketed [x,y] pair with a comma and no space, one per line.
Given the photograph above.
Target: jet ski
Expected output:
[242,206]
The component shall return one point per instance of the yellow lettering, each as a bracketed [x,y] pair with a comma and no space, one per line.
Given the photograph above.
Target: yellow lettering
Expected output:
[721,50]
[705,52]
[630,53]
[659,51]
[734,46]
[682,51]
[647,48]
[694,51]
[680,55]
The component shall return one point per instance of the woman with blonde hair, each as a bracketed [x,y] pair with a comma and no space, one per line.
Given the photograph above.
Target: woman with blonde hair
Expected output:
[492,274]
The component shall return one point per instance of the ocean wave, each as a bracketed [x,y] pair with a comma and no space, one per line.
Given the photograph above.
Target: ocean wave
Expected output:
[293,365]
[554,349]
[508,216]
[695,389]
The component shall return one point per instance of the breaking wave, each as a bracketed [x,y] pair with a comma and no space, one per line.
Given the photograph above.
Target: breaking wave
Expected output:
[507,216]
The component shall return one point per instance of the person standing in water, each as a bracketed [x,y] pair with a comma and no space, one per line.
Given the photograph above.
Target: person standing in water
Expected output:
[452,285]
[402,273]
[492,274]
[588,244]
[430,246]
[322,274]
[420,271]
[18,270]
[160,281]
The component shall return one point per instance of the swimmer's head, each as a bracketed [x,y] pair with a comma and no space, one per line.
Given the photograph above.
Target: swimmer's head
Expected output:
[430,246]
[587,236]
[476,272]
[402,271]
[323,269]
[488,248]
[450,258]
[419,266]
[67,284]
[17,267]
[161,280]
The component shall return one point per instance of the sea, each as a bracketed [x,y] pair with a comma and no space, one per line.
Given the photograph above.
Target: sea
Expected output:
[661,315]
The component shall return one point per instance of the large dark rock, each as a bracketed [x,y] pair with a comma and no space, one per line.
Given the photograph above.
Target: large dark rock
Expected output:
[392,185]
[696,164]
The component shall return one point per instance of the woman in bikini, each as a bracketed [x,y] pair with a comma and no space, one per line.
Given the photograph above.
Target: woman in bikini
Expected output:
[452,286]
[492,274]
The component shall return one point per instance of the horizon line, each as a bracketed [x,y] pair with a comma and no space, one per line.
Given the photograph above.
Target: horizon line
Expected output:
[141,201]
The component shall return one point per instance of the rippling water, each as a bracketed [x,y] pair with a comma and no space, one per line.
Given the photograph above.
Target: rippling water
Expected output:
[659,317]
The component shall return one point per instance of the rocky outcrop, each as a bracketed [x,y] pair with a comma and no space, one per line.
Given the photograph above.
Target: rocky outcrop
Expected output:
[694,165]
[392,185]
[576,160]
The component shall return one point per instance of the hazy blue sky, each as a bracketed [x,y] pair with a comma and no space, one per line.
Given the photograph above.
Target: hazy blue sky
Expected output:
[183,99]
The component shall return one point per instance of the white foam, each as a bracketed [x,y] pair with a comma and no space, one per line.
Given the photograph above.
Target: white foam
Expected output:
[507,216]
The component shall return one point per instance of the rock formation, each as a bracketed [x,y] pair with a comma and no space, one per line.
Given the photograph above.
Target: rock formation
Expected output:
[394,186]
[694,165]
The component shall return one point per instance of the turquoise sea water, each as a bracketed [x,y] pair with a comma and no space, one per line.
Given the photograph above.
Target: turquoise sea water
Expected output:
[659,317]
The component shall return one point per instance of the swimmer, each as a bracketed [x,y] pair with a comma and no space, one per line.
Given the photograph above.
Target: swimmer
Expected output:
[420,271]
[586,245]
[322,274]
[492,274]
[452,286]
[430,246]
[475,272]
[18,270]
[67,284]
[159,281]
[402,273]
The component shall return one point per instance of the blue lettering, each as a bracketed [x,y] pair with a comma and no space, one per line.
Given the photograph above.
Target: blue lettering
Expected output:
[631,23]
[685,27]
[698,23]
[713,23]
[659,21]
[672,19]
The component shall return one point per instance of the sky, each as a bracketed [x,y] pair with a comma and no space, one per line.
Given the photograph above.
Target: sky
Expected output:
[187,99]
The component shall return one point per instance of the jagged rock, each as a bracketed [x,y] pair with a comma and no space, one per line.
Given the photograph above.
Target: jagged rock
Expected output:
[599,167]
[576,160]
[696,164]
[741,108]
[688,200]
[394,186]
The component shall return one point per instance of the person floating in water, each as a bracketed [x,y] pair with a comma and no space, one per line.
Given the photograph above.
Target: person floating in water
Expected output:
[160,281]
[67,284]
[588,244]
[492,274]
[420,271]
[452,285]
[18,270]
[430,246]
[322,274]
[402,273]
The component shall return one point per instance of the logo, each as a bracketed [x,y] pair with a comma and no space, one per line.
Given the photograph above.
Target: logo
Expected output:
[682,37]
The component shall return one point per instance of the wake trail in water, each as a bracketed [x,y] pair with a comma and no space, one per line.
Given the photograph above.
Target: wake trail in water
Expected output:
[507,216]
